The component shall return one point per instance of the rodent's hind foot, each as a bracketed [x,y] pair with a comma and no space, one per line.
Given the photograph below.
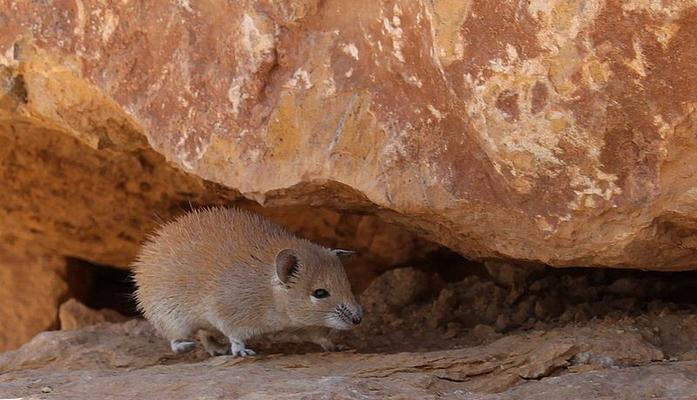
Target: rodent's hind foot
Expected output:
[182,346]
[237,349]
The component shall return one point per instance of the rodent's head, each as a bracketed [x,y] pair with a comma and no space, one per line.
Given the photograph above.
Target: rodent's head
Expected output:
[315,288]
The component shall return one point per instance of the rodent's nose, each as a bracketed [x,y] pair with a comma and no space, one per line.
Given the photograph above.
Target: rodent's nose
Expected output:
[357,315]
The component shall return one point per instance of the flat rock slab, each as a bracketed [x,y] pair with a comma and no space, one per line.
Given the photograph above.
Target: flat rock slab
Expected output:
[258,380]
[128,360]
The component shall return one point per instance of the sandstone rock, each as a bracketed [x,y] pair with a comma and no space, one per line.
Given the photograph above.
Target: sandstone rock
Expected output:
[538,131]
[674,332]
[74,315]
[32,288]
[503,321]
[120,188]
[396,288]
[548,307]
[663,380]
[131,344]
[507,275]
[483,333]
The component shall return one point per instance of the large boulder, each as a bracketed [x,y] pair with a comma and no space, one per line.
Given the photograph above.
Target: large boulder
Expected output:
[548,131]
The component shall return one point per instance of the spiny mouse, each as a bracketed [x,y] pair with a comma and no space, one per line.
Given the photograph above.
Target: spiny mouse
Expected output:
[226,273]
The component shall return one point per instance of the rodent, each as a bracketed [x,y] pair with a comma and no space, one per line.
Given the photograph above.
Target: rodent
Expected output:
[227,273]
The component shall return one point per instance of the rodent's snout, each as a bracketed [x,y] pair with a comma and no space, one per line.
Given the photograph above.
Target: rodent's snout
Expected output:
[345,316]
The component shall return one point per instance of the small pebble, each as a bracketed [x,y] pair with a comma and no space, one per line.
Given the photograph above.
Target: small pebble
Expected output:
[46,389]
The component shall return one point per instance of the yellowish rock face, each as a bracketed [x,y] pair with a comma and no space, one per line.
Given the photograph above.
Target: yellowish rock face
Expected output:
[550,131]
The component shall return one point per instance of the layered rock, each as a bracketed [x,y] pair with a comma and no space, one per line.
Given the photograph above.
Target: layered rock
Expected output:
[74,315]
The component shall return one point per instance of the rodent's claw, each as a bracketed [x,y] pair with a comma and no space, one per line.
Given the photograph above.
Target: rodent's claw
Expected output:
[182,346]
[237,349]
[243,353]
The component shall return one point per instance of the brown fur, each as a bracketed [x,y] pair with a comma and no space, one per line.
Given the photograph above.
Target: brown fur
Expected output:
[221,271]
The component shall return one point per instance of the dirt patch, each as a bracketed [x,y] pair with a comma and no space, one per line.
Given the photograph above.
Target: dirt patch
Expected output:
[418,310]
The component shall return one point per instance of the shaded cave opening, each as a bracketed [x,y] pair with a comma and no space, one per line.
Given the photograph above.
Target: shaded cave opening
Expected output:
[445,301]
[100,286]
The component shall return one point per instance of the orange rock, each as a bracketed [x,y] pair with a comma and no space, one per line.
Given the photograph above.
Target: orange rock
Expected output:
[75,315]
[536,131]
[32,288]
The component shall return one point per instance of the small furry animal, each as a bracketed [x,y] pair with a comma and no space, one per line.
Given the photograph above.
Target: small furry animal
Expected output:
[224,274]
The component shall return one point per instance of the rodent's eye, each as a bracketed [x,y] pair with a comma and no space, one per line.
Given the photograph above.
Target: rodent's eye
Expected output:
[320,293]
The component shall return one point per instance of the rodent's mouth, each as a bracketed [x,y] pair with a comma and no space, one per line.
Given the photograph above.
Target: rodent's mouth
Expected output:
[340,325]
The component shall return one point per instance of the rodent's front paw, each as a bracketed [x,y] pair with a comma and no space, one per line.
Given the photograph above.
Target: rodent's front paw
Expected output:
[237,349]
[243,353]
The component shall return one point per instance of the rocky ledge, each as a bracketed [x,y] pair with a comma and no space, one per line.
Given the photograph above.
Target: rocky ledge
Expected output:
[127,361]
[529,340]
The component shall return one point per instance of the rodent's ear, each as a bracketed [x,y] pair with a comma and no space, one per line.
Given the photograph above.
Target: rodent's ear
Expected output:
[287,265]
[342,253]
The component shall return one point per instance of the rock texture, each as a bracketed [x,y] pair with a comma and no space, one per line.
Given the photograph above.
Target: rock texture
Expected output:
[32,286]
[81,180]
[128,361]
[409,309]
[551,131]
[74,315]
